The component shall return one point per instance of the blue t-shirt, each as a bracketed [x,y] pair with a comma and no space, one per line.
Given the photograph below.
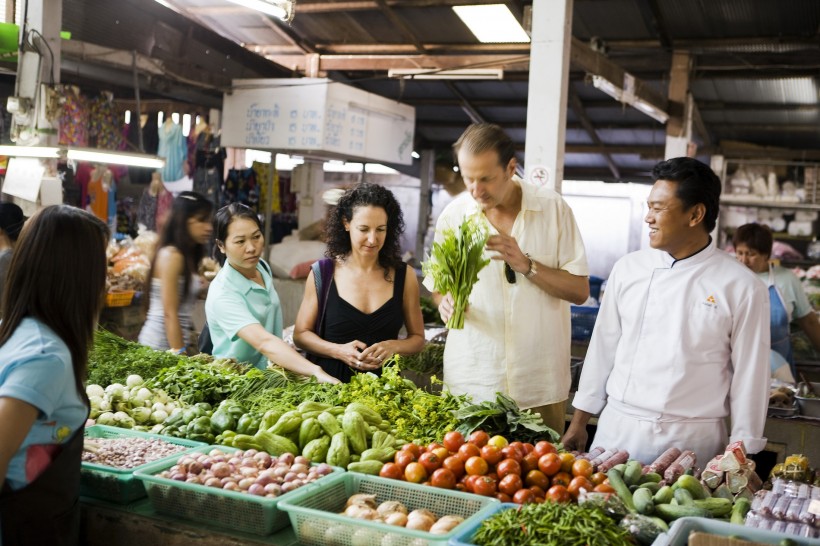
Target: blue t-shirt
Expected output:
[35,367]
[790,288]
[233,302]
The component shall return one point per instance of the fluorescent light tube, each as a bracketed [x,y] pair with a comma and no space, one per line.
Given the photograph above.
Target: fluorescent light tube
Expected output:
[492,24]
[455,74]
[275,9]
[115,158]
[30,151]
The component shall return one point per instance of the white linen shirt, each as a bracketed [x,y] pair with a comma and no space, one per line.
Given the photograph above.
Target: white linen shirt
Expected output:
[682,340]
[516,337]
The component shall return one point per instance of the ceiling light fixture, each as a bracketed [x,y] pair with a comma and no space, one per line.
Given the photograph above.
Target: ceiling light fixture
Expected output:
[625,94]
[492,24]
[455,74]
[281,9]
[30,151]
[115,158]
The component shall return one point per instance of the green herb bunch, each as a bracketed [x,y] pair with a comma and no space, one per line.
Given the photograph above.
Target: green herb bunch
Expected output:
[455,262]
[504,417]
[551,524]
[112,359]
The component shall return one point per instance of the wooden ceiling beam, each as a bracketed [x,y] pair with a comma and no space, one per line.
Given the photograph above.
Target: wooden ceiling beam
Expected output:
[386,62]
[578,107]
[306,6]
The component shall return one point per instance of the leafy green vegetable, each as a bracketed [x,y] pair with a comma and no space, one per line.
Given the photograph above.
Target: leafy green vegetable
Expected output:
[112,359]
[505,418]
[192,381]
[429,361]
[551,523]
[455,262]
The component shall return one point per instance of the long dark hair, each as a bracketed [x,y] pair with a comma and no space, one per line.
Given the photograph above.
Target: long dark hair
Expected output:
[223,219]
[57,276]
[366,195]
[187,205]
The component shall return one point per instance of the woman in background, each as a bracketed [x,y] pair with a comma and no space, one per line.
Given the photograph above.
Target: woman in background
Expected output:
[174,284]
[371,292]
[53,296]
[11,222]
[242,308]
[788,300]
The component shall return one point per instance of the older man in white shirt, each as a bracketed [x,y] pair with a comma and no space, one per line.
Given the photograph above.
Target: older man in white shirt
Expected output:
[516,335]
[682,336]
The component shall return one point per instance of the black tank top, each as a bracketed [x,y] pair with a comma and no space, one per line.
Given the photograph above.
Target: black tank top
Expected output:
[345,323]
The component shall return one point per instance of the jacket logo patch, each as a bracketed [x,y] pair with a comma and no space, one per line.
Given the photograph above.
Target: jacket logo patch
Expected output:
[710,302]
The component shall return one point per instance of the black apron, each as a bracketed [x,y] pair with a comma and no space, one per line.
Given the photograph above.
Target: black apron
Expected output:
[46,511]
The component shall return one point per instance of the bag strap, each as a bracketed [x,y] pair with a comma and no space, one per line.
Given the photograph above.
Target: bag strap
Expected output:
[322,277]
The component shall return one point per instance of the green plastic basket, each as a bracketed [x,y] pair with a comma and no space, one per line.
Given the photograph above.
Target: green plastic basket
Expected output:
[119,485]
[315,516]
[227,509]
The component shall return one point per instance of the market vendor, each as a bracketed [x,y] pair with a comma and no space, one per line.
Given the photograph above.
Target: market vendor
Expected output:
[787,299]
[242,309]
[682,337]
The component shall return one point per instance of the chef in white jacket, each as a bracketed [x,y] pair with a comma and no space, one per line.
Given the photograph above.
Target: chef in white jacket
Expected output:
[682,336]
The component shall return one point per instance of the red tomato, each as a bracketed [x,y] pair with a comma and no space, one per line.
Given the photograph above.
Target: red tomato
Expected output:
[468,450]
[537,478]
[415,449]
[529,462]
[578,483]
[453,440]
[582,467]
[491,454]
[562,478]
[519,446]
[430,462]
[510,484]
[479,438]
[604,488]
[469,483]
[558,493]
[543,447]
[508,466]
[485,486]
[510,452]
[528,448]
[597,478]
[454,464]
[549,464]
[392,470]
[503,497]
[523,496]
[476,466]
[442,452]
[404,458]
[443,478]
[538,492]
[433,446]
[415,473]
[566,462]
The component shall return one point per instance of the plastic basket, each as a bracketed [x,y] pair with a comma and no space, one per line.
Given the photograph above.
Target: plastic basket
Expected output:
[583,321]
[119,485]
[678,534]
[119,299]
[465,535]
[315,514]
[228,509]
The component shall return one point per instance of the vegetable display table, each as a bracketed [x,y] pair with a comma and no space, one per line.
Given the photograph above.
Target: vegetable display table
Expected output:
[137,524]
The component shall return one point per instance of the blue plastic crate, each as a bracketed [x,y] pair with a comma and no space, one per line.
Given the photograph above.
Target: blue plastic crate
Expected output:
[595,284]
[583,321]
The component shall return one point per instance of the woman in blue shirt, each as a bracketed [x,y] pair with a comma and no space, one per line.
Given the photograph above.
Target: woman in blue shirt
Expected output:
[53,296]
[242,308]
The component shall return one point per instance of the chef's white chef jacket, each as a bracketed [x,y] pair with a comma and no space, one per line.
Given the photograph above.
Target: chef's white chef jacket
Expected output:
[681,340]
[516,337]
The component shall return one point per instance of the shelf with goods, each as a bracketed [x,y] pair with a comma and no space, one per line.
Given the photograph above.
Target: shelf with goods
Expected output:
[782,195]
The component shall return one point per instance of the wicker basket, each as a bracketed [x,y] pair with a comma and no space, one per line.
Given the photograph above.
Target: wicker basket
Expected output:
[119,485]
[316,521]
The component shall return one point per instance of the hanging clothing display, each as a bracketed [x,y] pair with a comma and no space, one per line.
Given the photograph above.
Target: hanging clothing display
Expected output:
[73,117]
[102,195]
[104,128]
[241,187]
[262,171]
[174,149]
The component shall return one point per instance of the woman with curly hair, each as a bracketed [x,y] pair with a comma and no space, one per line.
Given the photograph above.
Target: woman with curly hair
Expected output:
[350,320]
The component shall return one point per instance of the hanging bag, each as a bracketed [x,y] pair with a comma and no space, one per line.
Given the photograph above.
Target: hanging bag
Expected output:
[322,277]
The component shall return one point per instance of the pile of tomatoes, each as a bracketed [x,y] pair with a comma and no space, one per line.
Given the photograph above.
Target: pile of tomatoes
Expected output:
[493,467]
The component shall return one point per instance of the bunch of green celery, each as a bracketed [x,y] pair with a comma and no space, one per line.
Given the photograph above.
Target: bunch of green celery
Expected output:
[455,262]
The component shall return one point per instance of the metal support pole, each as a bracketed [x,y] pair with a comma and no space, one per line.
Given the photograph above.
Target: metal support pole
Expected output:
[428,175]
[137,99]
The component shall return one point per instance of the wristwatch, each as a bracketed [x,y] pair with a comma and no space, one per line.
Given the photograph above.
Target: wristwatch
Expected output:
[533,268]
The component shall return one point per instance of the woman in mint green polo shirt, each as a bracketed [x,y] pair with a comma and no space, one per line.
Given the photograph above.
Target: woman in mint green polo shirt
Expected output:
[242,308]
